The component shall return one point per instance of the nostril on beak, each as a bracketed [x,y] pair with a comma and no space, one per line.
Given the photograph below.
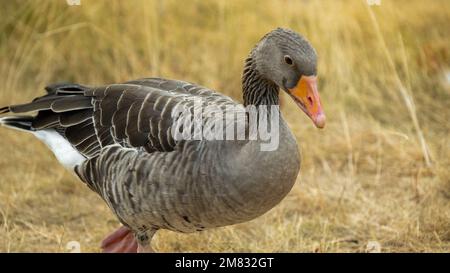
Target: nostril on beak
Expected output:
[310,101]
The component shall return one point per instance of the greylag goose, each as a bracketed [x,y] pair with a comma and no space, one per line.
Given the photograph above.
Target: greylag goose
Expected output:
[118,140]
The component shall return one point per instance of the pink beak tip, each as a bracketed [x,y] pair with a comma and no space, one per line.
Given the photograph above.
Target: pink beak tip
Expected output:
[319,120]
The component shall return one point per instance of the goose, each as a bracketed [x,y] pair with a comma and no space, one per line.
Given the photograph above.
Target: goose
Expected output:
[118,140]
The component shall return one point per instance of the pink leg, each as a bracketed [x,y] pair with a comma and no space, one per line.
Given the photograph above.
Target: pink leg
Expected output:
[120,241]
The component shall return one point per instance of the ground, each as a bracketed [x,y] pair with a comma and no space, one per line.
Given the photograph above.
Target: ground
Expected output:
[377,176]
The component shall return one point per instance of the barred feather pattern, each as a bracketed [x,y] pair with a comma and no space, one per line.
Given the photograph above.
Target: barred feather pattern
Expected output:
[198,185]
[135,114]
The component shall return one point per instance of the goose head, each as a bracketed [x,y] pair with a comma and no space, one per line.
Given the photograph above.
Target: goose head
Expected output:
[289,61]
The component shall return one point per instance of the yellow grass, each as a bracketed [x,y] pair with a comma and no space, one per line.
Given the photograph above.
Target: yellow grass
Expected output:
[380,171]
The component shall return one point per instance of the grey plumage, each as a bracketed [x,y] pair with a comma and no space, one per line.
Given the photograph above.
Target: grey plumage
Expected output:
[151,180]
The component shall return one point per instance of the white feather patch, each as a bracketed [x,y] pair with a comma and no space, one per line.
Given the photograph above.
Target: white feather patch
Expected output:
[63,150]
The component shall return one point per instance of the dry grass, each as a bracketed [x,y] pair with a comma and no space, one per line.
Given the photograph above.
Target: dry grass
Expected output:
[380,171]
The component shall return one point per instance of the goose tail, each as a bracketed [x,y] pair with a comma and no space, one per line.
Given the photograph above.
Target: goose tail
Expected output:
[66,154]
[22,123]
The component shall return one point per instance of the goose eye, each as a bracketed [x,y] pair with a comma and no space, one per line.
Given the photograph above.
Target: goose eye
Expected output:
[288,59]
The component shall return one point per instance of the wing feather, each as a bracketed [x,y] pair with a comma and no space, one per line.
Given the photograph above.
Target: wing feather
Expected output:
[136,114]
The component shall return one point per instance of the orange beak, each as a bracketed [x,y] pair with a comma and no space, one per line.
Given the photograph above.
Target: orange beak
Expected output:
[306,96]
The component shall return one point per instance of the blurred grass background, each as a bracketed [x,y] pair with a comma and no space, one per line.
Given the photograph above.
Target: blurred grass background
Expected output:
[378,172]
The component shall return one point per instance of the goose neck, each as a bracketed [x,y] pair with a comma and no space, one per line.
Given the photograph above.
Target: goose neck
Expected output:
[257,90]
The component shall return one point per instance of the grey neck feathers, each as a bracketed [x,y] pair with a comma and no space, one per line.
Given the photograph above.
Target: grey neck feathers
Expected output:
[256,89]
